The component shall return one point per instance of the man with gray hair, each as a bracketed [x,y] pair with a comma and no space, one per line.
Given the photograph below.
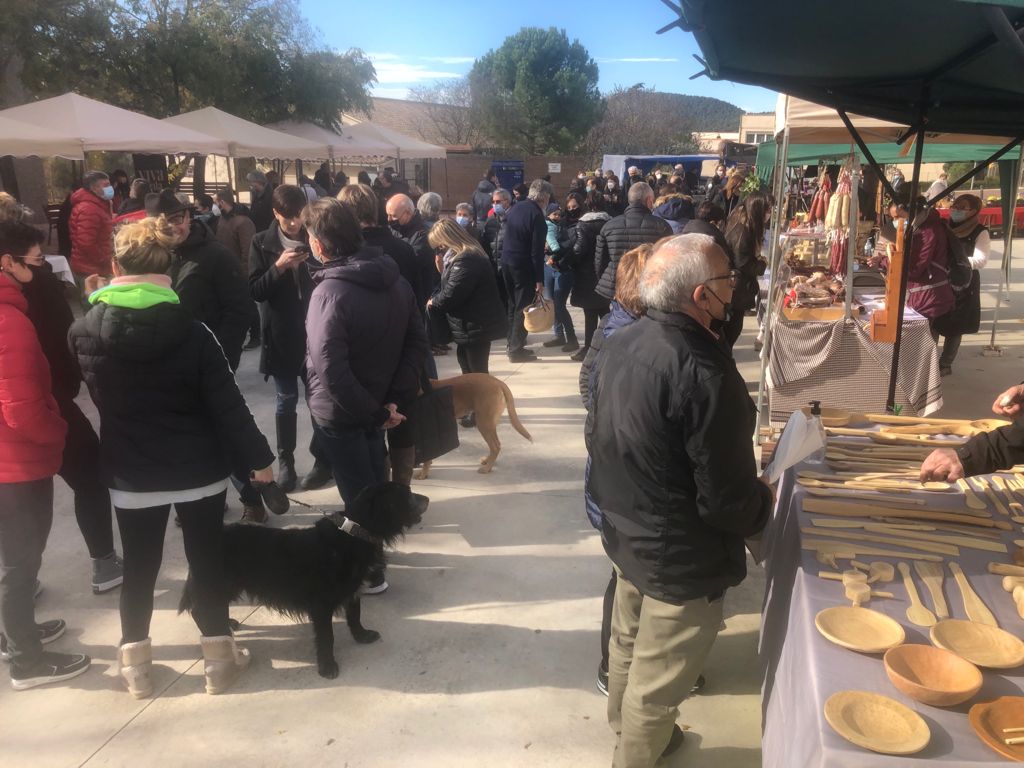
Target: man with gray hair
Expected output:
[635,227]
[673,473]
[261,202]
[522,263]
[429,206]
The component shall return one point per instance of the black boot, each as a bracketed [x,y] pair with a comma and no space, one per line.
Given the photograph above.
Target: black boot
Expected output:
[319,476]
[286,477]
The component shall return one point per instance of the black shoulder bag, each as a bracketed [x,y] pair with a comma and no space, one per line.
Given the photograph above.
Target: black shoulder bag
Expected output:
[433,422]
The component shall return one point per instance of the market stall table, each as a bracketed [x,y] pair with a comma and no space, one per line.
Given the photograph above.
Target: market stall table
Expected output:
[803,669]
[837,363]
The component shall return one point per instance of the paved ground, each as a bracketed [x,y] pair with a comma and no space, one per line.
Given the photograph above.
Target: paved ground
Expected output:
[490,629]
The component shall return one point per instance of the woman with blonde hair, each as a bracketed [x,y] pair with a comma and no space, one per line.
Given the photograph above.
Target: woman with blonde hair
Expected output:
[467,295]
[170,415]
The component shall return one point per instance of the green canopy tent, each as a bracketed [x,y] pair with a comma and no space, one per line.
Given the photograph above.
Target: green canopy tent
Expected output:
[956,69]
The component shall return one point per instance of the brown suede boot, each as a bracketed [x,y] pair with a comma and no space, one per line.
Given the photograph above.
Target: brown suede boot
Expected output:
[223,662]
[135,664]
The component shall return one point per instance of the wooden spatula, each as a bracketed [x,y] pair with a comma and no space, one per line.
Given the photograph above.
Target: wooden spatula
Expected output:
[973,502]
[916,613]
[932,574]
[976,610]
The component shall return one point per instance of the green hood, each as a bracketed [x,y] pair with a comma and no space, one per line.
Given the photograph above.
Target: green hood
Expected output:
[134,295]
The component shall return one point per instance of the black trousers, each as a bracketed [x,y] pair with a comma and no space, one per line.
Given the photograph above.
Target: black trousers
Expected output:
[521,288]
[26,513]
[142,536]
[473,357]
[591,317]
[80,469]
[606,619]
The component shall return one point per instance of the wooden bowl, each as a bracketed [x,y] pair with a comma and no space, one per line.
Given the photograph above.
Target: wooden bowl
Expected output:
[980,644]
[876,722]
[932,675]
[859,629]
[989,718]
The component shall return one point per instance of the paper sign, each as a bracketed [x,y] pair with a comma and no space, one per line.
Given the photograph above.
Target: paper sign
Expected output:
[554,167]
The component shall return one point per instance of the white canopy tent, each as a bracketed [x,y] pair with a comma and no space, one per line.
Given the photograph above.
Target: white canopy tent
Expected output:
[26,140]
[344,145]
[247,139]
[406,147]
[96,126]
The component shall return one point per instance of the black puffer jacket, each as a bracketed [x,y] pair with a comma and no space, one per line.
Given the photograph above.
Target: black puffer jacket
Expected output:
[170,411]
[494,238]
[415,233]
[366,344]
[285,297]
[468,295]
[482,201]
[585,247]
[208,279]
[415,266]
[51,315]
[636,226]
[672,470]
[992,451]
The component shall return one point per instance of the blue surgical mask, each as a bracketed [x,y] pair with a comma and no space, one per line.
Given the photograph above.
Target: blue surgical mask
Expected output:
[958,216]
[108,193]
[499,209]
[462,221]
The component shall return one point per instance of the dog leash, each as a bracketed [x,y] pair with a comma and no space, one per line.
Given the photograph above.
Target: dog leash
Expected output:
[354,529]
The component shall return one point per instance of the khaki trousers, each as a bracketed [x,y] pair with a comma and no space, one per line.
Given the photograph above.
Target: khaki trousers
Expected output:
[656,653]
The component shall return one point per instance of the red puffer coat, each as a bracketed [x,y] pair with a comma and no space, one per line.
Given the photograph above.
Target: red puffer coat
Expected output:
[91,225]
[31,429]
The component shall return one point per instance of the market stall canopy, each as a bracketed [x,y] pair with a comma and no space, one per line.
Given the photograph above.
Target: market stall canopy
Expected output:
[246,139]
[875,58]
[96,126]
[620,163]
[27,140]
[405,147]
[346,144]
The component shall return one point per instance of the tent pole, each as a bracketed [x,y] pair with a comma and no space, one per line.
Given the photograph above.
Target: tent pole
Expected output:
[1004,277]
[775,257]
[890,403]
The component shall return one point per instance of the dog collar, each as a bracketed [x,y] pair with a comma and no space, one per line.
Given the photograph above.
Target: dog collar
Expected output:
[354,529]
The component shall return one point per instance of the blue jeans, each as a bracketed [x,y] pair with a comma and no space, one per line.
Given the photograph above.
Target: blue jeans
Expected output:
[557,286]
[356,457]
[287,388]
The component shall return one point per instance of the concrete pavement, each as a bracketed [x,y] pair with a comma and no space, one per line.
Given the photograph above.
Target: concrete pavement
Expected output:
[490,628]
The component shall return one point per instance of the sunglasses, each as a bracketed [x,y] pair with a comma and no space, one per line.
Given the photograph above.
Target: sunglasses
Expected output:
[733,277]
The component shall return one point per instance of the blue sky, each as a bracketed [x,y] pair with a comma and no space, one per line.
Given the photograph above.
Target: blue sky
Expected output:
[418,42]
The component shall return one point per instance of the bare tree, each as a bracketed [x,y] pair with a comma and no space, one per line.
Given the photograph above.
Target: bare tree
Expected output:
[641,121]
[450,112]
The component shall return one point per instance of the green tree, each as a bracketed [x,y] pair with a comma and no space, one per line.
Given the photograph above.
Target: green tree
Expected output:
[253,58]
[537,93]
[641,121]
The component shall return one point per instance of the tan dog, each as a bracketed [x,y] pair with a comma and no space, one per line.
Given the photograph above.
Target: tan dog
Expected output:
[486,397]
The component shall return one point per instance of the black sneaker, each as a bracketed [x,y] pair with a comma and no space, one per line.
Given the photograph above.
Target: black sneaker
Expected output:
[319,476]
[48,632]
[580,355]
[558,341]
[699,685]
[50,668]
[602,679]
[468,421]
[675,742]
[376,585]
[571,346]
[275,499]
[522,356]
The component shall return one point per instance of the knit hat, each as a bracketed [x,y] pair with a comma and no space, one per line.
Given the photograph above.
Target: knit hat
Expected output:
[165,202]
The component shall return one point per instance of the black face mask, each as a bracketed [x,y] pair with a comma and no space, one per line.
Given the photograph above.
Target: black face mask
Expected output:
[572,215]
[718,324]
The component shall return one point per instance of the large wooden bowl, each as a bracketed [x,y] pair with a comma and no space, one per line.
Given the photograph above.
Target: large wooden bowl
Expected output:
[980,644]
[932,675]
[859,629]
[989,718]
[876,722]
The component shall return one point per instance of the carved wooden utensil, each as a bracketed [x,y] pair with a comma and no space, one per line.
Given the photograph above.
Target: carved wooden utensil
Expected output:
[976,610]
[932,574]
[916,613]
[973,502]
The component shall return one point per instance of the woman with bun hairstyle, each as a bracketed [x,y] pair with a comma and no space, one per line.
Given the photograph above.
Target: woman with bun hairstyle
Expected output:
[170,415]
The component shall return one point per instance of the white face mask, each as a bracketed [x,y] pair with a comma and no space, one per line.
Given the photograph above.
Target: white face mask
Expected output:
[215,210]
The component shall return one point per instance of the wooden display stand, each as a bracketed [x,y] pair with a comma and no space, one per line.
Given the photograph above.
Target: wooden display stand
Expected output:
[883,321]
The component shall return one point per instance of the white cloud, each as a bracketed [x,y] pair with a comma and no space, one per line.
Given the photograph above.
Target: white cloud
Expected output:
[392,68]
[390,93]
[449,59]
[639,60]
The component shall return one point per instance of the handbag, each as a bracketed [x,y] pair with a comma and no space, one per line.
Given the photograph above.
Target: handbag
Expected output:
[434,427]
[965,317]
[540,315]
[438,329]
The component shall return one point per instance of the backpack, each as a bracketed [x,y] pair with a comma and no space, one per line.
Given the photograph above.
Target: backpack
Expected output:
[960,269]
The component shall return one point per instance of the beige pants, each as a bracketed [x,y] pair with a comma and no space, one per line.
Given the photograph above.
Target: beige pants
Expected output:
[656,653]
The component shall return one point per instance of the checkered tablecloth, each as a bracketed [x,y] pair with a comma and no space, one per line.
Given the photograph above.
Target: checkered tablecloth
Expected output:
[838,364]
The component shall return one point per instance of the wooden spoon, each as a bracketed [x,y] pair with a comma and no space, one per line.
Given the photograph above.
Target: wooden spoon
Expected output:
[980,484]
[1000,485]
[877,485]
[976,610]
[970,497]
[916,613]
[931,574]
[906,499]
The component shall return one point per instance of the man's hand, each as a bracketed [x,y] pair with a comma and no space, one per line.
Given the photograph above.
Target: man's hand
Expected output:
[290,260]
[1009,402]
[395,418]
[94,283]
[942,464]
[539,287]
[262,476]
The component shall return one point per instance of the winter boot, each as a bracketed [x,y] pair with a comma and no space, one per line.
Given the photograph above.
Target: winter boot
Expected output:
[223,662]
[254,512]
[402,461]
[286,477]
[320,475]
[135,665]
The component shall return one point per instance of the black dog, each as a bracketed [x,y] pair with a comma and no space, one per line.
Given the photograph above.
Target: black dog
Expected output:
[312,572]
